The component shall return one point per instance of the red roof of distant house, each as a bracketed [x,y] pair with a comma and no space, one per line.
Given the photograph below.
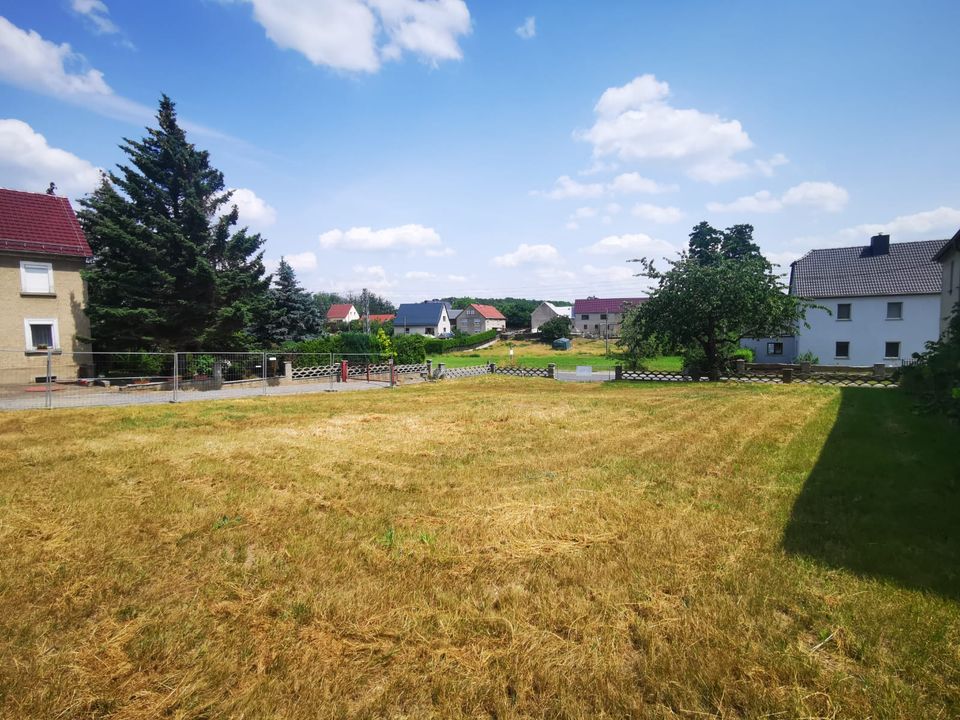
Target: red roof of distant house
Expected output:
[339,312]
[40,223]
[387,317]
[604,305]
[488,311]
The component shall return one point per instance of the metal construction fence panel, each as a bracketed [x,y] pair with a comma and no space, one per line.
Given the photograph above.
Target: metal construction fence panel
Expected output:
[60,379]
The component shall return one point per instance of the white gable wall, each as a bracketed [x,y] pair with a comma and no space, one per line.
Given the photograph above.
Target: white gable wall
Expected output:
[868,329]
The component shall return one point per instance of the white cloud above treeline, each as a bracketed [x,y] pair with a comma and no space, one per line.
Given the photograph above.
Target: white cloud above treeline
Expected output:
[565,187]
[253,209]
[28,162]
[634,245]
[825,196]
[525,254]
[366,239]
[97,12]
[359,35]
[636,122]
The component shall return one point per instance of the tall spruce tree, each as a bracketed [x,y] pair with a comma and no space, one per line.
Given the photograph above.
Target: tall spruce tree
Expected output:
[293,314]
[169,271]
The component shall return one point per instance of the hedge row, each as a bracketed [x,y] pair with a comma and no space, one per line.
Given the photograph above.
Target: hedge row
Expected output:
[436,346]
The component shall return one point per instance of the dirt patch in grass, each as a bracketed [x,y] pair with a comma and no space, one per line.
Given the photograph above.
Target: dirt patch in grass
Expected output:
[493,547]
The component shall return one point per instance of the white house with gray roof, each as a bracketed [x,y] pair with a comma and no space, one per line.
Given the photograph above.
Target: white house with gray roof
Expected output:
[881,302]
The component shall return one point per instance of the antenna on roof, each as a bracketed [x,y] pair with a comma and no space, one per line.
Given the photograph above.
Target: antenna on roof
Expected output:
[52,190]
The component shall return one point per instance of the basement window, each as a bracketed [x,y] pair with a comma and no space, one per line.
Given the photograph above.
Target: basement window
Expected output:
[842,350]
[891,350]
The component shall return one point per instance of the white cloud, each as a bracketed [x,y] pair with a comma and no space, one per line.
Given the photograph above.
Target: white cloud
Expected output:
[404,237]
[613,208]
[640,91]
[766,167]
[599,166]
[760,202]
[635,122]
[629,183]
[526,254]
[27,162]
[528,29]
[358,35]
[457,278]
[941,222]
[302,262]
[636,245]
[372,277]
[656,213]
[566,187]
[441,252]
[584,212]
[614,273]
[38,65]
[97,12]
[418,275]
[819,195]
[253,209]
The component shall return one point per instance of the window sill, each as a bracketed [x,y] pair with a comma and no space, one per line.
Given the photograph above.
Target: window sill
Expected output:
[32,294]
[844,319]
[55,351]
[841,357]
[894,319]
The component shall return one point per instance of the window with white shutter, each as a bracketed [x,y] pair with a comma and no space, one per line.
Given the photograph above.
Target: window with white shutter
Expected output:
[36,278]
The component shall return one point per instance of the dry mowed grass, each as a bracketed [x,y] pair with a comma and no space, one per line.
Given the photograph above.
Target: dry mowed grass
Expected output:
[487,548]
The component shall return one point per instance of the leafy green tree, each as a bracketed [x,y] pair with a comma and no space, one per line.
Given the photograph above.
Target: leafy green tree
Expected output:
[323,300]
[169,272]
[379,305]
[556,328]
[292,313]
[934,376]
[720,290]
[409,349]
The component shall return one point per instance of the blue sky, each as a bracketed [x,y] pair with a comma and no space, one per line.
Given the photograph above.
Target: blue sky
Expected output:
[442,147]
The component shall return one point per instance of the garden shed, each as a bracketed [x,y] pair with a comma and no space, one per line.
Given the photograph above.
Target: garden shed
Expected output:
[562,344]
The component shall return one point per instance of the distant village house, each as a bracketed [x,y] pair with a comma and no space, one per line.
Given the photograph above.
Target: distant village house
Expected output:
[601,317]
[544,312]
[425,318]
[477,318]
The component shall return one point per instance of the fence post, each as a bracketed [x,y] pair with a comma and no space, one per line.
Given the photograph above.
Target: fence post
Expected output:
[176,375]
[429,369]
[263,369]
[393,373]
[879,371]
[740,366]
[493,368]
[344,371]
[288,370]
[440,369]
[49,389]
[618,372]
[552,370]
[787,375]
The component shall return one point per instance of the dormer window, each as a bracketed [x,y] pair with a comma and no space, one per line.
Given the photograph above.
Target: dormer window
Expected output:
[36,278]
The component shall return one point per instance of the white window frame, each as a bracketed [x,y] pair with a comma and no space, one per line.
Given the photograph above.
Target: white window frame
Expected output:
[899,350]
[895,302]
[28,336]
[24,264]
[841,357]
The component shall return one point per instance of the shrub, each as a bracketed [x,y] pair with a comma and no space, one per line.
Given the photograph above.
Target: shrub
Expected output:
[808,357]
[745,354]
[409,349]
[934,376]
[436,346]
[556,328]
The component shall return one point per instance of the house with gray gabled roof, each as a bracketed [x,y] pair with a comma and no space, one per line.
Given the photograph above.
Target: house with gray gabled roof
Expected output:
[879,303]
[425,318]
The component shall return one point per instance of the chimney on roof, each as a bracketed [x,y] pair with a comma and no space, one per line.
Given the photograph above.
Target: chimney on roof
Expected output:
[880,245]
[52,190]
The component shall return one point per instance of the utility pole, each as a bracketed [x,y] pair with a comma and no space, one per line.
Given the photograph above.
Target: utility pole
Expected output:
[366,311]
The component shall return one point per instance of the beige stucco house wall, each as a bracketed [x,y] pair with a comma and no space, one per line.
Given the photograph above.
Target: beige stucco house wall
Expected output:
[63,306]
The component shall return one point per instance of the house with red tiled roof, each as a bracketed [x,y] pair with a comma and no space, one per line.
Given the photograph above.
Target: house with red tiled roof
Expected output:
[342,313]
[477,318]
[601,317]
[42,251]
[381,318]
